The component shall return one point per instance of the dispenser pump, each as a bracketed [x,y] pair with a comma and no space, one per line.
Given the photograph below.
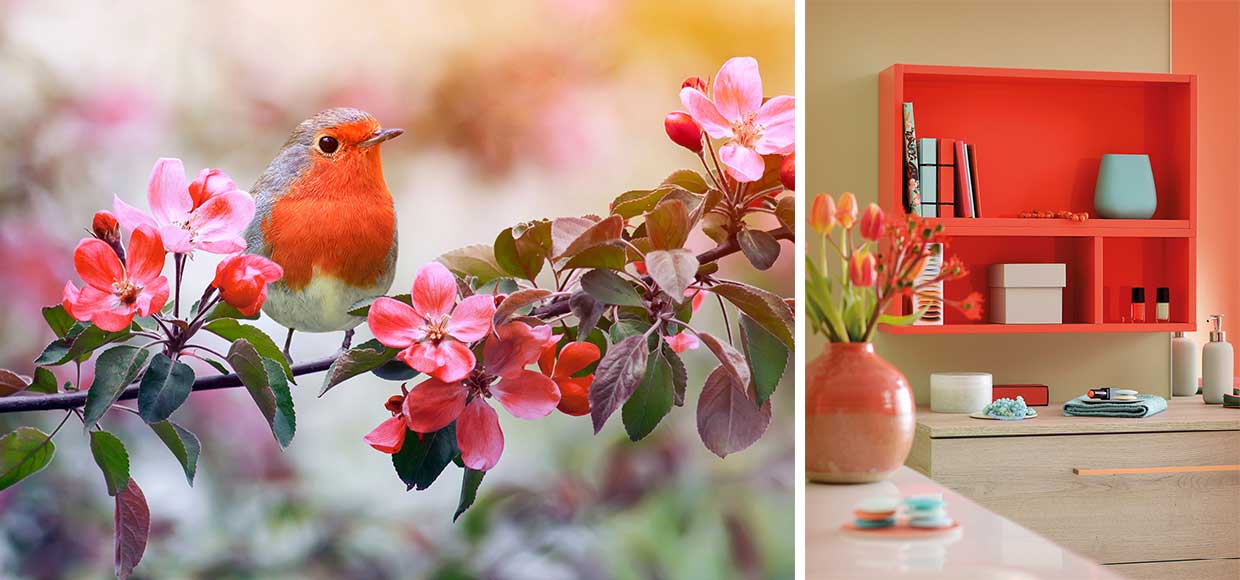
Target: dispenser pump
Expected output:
[1218,334]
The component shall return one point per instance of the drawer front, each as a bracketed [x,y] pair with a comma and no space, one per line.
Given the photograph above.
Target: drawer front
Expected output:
[1187,570]
[1114,498]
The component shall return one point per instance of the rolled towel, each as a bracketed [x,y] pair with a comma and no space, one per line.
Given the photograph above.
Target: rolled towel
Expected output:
[1144,406]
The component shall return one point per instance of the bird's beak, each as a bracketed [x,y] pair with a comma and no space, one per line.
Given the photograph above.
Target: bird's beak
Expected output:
[380,136]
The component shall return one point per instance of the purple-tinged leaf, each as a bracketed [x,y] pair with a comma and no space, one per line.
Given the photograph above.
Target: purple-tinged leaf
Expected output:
[767,309]
[11,383]
[133,526]
[616,377]
[587,310]
[687,179]
[516,301]
[606,231]
[608,287]
[731,359]
[759,247]
[667,225]
[786,212]
[673,271]
[727,418]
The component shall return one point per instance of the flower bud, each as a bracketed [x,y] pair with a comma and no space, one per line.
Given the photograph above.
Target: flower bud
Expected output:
[242,280]
[846,212]
[822,214]
[694,82]
[683,131]
[872,222]
[788,172]
[394,404]
[863,269]
[106,228]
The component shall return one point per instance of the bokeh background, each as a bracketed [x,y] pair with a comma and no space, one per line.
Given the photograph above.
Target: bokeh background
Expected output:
[514,110]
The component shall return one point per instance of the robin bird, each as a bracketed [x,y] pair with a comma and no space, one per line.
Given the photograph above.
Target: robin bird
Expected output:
[325,215]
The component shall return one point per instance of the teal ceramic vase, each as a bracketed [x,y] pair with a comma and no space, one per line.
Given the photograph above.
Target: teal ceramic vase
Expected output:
[1125,188]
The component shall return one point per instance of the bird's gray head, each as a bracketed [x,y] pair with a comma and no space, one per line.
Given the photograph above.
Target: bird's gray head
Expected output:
[332,136]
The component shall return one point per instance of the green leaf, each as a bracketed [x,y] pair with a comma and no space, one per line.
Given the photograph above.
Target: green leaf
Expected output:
[394,370]
[44,382]
[284,425]
[609,257]
[768,358]
[217,365]
[786,212]
[668,225]
[23,452]
[673,271]
[226,310]
[631,204]
[759,247]
[522,258]
[477,260]
[608,287]
[112,459]
[231,330]
[680,376]
[362,307]
[182,443]
[904,320]
[516,301]
[58,320]
[252,371]
[165,386]
[618,374]
[469,490]
[651,401]
[420,461]
[72,347]
[362,358]
[114,370]
[767,309]
[687,179]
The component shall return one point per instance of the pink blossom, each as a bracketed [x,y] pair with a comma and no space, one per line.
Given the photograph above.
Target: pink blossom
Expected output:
[737,114]
[114,293]
[526,394]
[683,341]
[209,214]
[435,331]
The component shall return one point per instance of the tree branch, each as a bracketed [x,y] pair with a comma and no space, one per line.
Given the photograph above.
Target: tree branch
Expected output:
[555,308]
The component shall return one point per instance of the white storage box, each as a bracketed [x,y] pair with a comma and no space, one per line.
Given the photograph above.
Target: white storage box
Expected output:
[960,392]
[1027,293]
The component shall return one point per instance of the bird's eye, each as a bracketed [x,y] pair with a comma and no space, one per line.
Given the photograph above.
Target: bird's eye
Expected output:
[328,145]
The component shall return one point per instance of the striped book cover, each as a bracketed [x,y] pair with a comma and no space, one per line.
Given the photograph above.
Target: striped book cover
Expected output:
[912,174]
[928,176]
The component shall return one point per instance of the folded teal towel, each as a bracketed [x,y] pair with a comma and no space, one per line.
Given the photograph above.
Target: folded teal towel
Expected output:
[1144,406]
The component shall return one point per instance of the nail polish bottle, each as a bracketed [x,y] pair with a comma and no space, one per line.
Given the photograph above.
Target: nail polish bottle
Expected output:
[1162,310]
[1138,305]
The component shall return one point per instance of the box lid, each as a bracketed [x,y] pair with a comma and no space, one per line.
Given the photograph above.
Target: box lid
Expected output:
[1028,275]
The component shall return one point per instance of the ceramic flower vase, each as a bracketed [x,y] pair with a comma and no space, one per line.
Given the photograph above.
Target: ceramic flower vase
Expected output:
[859,416]
[1125,187]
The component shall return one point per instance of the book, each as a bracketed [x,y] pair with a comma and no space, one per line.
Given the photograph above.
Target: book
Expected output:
[912,173]
[928,174]
[947,177]
[964,189]
[977,192]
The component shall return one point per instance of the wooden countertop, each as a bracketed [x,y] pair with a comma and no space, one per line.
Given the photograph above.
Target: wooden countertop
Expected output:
[1182,414]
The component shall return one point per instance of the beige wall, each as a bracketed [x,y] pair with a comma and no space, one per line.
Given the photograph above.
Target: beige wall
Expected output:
[848,43]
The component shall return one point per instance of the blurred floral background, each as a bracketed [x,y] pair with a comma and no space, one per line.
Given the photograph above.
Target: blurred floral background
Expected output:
[513,110]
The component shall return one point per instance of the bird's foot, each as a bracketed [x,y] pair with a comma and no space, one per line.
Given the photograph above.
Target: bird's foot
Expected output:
[288,342]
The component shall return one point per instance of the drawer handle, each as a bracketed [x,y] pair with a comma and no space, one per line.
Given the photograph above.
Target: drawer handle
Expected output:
[1174,469]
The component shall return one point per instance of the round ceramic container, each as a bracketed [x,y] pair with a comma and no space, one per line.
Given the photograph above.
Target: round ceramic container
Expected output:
[960,392]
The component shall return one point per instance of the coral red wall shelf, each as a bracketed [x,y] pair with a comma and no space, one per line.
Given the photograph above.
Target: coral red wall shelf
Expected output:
[1041,134]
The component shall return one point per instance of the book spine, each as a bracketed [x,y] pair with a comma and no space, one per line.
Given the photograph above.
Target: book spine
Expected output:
[947,177]
[928,174]
[912,174]
[964,190]
[977,192]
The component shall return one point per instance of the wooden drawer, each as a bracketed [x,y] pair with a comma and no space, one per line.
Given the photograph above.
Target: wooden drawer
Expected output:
[1175,496]
[1186,570]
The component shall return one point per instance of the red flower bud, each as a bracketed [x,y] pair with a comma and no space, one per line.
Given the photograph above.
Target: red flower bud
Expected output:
[105,227]
[694,82]
[242,281]
[788,172]
[684,131]
[872,222]
[394,404]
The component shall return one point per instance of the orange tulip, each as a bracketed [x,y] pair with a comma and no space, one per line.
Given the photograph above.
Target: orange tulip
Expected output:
[822,214]
[863,269]
[846,212]
[872,222]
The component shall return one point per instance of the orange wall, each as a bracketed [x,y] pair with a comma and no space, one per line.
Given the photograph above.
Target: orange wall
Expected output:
[1205,39]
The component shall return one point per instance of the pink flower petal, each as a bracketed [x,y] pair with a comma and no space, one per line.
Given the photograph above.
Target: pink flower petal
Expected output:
[90,301]
[129,216]
[738,88]
[153,297]
[223,217]
[389,436]
[208,184]
[778,118]
[96,263]
[434,291]
[113,320]
[433,404]
[145,255]
[167,192]
[479,436]
[527,395]
[455,360]
[703,110]
[228,246]
[394,323]
[514,346]
[471,320]
[70,296]
[683,341]
[176,239]
[742,163]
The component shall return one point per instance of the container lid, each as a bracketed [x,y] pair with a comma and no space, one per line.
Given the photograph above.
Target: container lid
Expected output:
[1163,294]
[961,380]
[1028,275]
[1138,295]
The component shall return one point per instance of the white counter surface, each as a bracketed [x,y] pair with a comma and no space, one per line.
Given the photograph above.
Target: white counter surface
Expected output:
[987,547]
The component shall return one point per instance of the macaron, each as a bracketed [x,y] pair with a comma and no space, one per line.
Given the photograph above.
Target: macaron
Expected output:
[874,524]
[879,505]
[920,514]
[924,502]
[939,522]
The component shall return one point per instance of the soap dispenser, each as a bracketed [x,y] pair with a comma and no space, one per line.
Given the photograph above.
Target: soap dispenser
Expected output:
[1217,359]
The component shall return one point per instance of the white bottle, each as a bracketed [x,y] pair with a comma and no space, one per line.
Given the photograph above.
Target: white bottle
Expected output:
[1217,360]
[1183,365]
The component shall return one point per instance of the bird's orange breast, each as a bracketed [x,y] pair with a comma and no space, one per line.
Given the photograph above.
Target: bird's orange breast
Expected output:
[336,220]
